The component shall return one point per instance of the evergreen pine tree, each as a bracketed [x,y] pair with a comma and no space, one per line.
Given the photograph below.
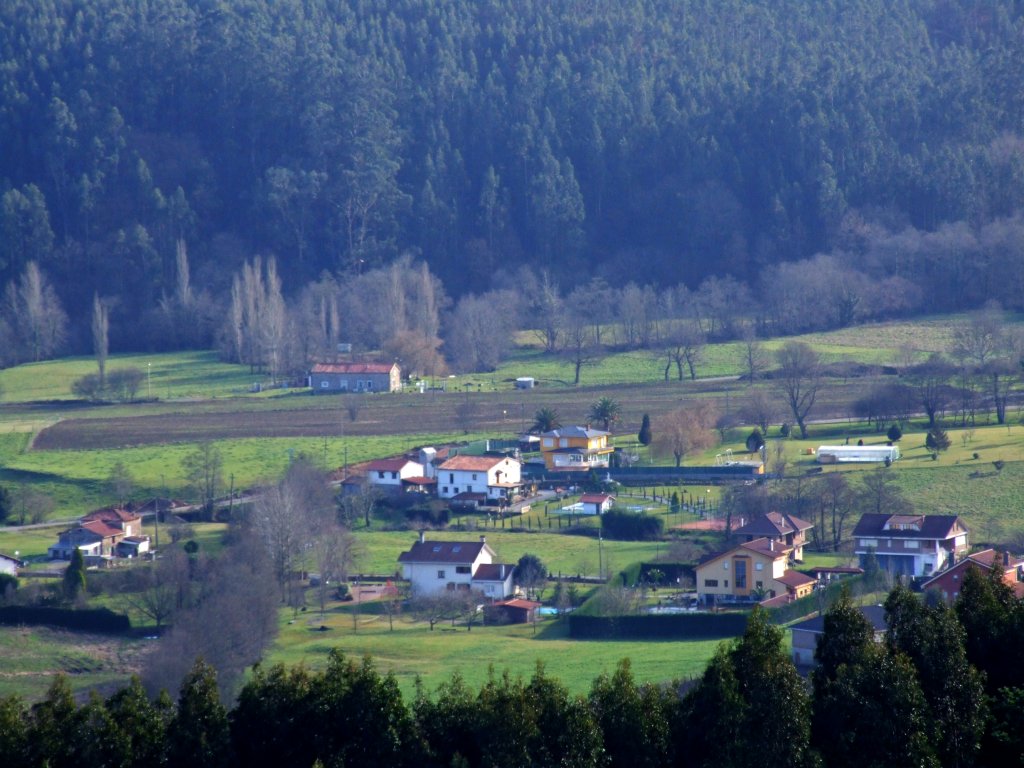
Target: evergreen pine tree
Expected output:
[644,436]
[74,576]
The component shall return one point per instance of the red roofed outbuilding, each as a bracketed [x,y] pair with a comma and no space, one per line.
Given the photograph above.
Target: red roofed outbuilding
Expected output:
[325,378]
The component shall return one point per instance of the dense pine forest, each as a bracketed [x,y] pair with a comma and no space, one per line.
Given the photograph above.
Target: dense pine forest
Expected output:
[942,688]
[821,162]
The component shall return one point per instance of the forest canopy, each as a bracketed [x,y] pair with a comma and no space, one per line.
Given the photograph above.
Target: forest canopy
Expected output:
[661,142]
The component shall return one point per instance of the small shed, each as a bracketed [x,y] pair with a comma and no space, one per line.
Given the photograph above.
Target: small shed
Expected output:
[514,611]
[596,503]
[526,382]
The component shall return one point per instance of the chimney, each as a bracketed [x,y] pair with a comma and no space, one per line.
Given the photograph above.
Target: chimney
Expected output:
[501,570]
[483,539]
[771,545]
[423,536]
[1006,559]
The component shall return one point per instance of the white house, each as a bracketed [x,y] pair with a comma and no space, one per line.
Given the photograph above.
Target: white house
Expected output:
[437,566]
[392,474]
[596,503]
[9,565]
[493,478]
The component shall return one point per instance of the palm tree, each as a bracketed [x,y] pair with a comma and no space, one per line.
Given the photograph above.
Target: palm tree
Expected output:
[545,420]
[606,410]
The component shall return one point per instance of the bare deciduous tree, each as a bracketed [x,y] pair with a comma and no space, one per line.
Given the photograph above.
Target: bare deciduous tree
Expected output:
[685,430]
[35,315]
[800,379]
[203,468]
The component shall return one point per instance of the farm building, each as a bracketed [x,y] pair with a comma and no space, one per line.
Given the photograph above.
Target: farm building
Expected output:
[355,377]
[841,454]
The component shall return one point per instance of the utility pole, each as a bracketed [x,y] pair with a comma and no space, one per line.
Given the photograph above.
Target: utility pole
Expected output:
[231,496]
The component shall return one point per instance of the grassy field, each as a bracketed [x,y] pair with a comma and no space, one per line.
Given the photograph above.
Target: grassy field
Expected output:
[411,650]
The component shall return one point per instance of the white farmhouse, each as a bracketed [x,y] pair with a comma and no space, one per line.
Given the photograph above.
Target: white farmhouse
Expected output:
[437,566]
[394,475]
[482,479]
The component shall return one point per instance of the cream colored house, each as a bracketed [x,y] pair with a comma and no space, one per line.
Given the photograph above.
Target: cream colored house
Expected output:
[483,478]
[753,571]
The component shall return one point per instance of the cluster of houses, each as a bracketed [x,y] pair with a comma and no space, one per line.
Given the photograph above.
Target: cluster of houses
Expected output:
[491,479]
[933,548]
[103,535]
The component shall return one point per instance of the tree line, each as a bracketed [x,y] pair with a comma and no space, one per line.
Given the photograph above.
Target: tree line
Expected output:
[776,145]
[940,688]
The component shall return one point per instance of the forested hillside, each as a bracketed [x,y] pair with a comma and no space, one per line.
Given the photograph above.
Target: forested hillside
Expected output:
[864,156]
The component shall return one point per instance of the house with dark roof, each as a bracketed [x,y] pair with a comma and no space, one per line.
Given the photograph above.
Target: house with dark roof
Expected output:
[438,566]
[751,572]
[788,530]
[121,518]
[910,545]
[807,632]
[325,378]
[479,480]
[575,448]
[947,583]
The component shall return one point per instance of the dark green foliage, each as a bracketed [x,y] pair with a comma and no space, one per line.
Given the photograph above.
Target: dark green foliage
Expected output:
[6,504]
[755,441]
[895,433]
[14,744]
[73,582]
[91,620]
[644,436]
[992,620]
[607,411]
[937,439]
[8,585]
[631,526]
[633,718]
[531,573]
[198,733]
[545,420]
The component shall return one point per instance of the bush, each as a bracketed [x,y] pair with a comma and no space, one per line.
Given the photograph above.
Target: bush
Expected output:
[785,429]
[894,433]
[93,620]
[755,441]
[631,526]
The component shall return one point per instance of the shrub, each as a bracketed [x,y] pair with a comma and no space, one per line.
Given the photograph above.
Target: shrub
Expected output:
[631,526]
[785,429]
[894,433]
[936,440]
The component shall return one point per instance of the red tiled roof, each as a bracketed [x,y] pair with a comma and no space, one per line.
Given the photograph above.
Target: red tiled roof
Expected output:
[795,579]
[353,368]
[420,481]
[595,498]
[389,465]
[112,513]
[518,602]
[471,463]
[101,529]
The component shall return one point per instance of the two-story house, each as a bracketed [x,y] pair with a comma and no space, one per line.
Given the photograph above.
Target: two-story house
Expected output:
[395,475]
[437,566]
[947,583]
[754,570]
[117,517]
[95,538]
[910,545]
[479,479]
[788,530]
[575,448]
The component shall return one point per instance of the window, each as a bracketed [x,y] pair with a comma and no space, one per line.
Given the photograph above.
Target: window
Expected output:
[869,542]
[725,566]
[474,475]
[910,544]
[444,489]
[759,584]
[741,574]
[325,384]
[462,569]
[440,574]
[451,477]
[380,475]
[956,577]
[369,385]
[725,583]
[710,582]
[759,567]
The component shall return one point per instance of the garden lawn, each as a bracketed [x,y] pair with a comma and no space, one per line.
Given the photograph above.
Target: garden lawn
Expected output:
[412,651]
[569,555]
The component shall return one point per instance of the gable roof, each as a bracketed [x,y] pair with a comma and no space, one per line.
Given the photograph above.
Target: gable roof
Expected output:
[983,559]
[459,552]
[575,432]
[518,602]
[595,498]
[873,613]
[765,547]
[389,465]
[909,526]
[492,572]
[773,524]
[795,579]
[101,528]
[472,463]
[353,368]
[13,559]
[112,514]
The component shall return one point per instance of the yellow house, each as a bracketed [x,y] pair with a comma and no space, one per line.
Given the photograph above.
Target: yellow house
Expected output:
[575,448]
[753,571]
